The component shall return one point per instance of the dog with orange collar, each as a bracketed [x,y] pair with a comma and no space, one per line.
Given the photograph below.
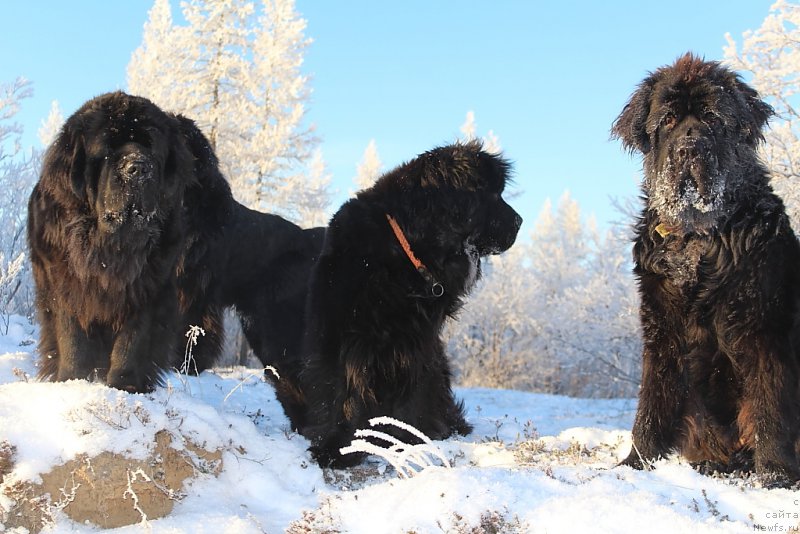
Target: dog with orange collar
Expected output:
[397,261]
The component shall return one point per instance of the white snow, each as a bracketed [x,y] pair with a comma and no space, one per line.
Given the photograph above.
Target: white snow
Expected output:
[535,463]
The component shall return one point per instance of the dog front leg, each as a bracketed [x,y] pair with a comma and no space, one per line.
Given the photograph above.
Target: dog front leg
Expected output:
[79,354]
[131,368]
[661,403]
[346,416]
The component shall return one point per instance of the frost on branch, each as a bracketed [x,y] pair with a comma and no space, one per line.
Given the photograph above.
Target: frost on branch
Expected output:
[192,335]
[19,170]
[10,282]
[770,58]
[408,460]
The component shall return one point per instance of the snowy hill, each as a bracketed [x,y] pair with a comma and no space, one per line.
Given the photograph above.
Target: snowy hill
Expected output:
[535,463]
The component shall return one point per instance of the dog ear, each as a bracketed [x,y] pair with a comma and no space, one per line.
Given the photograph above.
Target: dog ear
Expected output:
[631,125]
[179,163]
[208,197]
[757,115]
[64,163]
[78,174]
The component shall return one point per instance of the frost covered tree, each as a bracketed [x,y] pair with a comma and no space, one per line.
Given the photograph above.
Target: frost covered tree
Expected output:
[771,55]
[586,304]
[278,103]
[197,69]
[591,324]
[561,244]
[494,339]
[369,168]
[51,125]
[158,58]
[235,68]
[469,127]
[308,203]
[558,314]
[491,143]
[18,172]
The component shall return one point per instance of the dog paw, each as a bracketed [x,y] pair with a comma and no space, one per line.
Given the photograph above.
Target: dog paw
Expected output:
[127,382]
[635,461]
[333,459]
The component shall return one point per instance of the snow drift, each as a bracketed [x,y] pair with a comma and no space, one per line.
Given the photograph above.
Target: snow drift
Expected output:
[535,463]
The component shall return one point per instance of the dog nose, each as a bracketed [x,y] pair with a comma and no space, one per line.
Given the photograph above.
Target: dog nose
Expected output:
[135,168]
[691,147]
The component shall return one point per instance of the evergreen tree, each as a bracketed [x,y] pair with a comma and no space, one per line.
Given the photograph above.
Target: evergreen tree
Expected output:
[369,168]
[158,59]
[491,143]
[51,125]
[469,127]
[277,105]
[235,68]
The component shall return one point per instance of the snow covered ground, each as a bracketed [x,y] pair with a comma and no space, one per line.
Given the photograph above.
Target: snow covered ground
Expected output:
[535,463]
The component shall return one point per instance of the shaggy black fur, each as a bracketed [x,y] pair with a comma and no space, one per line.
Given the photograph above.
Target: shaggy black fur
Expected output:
[717,266]
[135,236]
[105,231]
[257,262]
[372,345]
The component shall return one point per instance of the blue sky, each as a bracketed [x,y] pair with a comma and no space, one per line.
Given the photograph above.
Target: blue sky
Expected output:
[548,78]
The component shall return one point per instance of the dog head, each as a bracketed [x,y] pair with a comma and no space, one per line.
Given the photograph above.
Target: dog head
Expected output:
[121,157]
[456,193]
[698,126]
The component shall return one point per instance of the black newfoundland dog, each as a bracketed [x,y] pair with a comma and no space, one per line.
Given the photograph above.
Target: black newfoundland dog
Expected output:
[106,231]
[396,263]
[135,236]
[257,262]
[718,268]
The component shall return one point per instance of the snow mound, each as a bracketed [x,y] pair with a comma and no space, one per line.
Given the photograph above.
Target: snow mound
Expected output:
[535,463]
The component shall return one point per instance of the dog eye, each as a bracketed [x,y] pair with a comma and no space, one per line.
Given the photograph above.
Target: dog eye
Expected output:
[670,120]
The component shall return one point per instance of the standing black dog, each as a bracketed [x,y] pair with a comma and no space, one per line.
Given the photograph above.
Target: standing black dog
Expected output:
[396,263]
[106,231]
[134,236]
[719,277]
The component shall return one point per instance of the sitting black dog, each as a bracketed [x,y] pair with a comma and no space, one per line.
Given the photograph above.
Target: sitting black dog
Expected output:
[396,263]
[717,265]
